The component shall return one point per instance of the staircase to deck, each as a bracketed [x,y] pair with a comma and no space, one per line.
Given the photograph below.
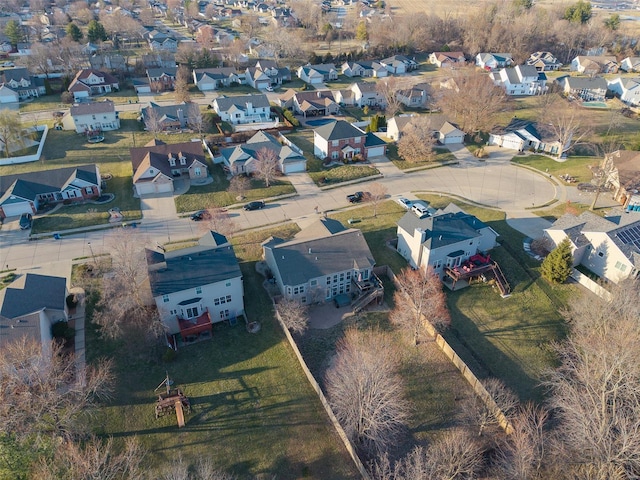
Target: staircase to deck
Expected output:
[366,299]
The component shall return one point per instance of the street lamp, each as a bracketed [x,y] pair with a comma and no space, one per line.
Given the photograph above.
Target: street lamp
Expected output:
[92,255]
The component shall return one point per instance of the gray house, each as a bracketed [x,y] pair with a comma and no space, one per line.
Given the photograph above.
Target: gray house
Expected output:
[447,238]
[322,261]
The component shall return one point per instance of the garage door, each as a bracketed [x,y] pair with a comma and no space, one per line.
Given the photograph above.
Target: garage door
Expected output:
[153,188]
[376,151]
[16,209]
[297,167]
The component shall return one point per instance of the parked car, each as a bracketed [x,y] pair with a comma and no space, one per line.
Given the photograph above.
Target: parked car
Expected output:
[405,202]
[420,210]
[257,205]
[269,88]
[25,221]
[200,215]
[355,197]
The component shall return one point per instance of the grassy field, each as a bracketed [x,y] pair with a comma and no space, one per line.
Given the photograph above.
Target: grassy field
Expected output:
[253,411]
[442,156]
[342,173]
[577,167]
[552,214]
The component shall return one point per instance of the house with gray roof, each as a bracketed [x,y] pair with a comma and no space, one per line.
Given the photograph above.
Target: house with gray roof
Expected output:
[91,117]
[28,192]
[341,140]
[630,64]
[243,158]
[398,64]
[195,287]
[30,305]
[415,96]
[544,61]
[445,238]
[524,135]
[169,117]
[628,89]
[366,93]
[588,89]
[207,79]
[22,82]
[445,131]
[520,80]
[322,261]
[315,74]
[243,108]
[309,104]
[493,61]
[609,246]
[162,79]
[621,171]
[364,68]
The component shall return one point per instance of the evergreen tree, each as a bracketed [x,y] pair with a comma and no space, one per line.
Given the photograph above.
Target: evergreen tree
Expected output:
[361,31]
[96,32]
[74,32]
[559,263]
[13,32]
[578,12]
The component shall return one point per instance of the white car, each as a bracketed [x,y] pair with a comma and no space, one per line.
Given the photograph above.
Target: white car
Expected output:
[269,88]
[406,203]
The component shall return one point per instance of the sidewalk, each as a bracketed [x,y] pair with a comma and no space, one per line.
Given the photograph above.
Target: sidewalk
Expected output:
[79,318]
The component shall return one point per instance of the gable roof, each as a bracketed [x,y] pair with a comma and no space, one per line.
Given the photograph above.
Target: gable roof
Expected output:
[170,112]
[212,260]
[321,249]
[240,102]
[443,229]
[214,73]
[627,163]
[250,150]
[158,72]
[585,83]
[18,74]
[338,130]
[92,108]
[157,155]
[30,293]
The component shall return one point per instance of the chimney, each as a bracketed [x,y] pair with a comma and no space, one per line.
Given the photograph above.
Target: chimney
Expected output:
[181,118]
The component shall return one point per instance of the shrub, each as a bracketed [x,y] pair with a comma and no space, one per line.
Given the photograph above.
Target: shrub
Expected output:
[558,265]
[66,97]
[62,330]
[291,118]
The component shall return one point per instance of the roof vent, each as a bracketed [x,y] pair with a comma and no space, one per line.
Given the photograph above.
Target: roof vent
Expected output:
[309,250]
[316,258]
[190,258]
[283,257]
[440,238]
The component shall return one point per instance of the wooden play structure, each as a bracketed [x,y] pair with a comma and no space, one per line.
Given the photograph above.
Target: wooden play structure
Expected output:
[173,400]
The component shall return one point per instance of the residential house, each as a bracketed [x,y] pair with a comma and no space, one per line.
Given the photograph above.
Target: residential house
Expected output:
[592,65]
[524,135]
[366,93]
[586,88]
[276,74]
[628,89]
[207,79]
[28,192]
[108,61]
[157,164]
[609,246]
[21,82]
[342,141]
[243,158]
[446,238]
[322,261]
[493,61]
[30,306]
[315,74]
[414,97]
[169,117]
[362,68]
[520,80]
[88,83]
[158,60]
[257,79]
[162,79]
[309,104]
[243,109]
[621,171]
[630,64]
[399,64]
[194,287]
[8,96]
[445,131]
[447,59]
[544,62]
[161,41]
[23,49]
[91,117]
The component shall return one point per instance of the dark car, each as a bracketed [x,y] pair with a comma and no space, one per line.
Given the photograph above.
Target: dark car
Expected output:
[355,197]
[25,221]
[200,215]
[257,205]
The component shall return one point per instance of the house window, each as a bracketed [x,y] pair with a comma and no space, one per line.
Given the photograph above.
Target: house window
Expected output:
[198,290]
[172,161]
[601,254]
[228,298]
[224,314]
[335,143]
[437,263]
[197,171]
[365,274]
[356,139]
[621,266]
[89,190]
[183,161]
[328,280]
[165,298]
[228,284]
[334,155]
[349,275]
[192,312]
[313,283]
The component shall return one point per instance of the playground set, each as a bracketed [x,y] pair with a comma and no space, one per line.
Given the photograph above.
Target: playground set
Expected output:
[173,400]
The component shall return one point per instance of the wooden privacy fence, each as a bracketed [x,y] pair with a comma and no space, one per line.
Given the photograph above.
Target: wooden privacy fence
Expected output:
[325,403]
[450,353]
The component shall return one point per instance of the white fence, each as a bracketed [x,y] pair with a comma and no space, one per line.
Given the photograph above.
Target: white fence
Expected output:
[29,158]
[586,282]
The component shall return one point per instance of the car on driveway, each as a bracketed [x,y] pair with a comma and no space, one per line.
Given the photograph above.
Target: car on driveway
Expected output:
[200,215]
[25,221]
[404,202]
[355,197]
[269,88]
[257,205]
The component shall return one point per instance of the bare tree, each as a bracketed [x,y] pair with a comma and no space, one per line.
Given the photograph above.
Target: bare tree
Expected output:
[294,314]
[94,459]
[420,299]
[483,413]
[181,86]
[152,121]
[42,393]
[475,103]
[250,24]
[205,470]
[388,89]
[267,165]
[567,124]
[235,50]
[418,140]
[239,185]
[218,220]
[196,121]
[376,194]
[40,58]
[366,392]
[11,131]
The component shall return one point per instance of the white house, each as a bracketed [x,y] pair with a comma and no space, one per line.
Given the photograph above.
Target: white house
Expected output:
[399,64]
[20,81]
[94,116]
[315,74]
[364,68]
[89,82]
[443,130]
[322,261]
[521,135]
[593,64]
[243,158]
[520,80]
[630,64]
[195,287]
[366,93]
[8,96]
[243,109]
[257,79]
[621,177]
[586,88]
[609,246]
[627,88]
[447,59]
[310,104]
[447,238]
[544,61]
[414,97]
[493,61]
[207,79]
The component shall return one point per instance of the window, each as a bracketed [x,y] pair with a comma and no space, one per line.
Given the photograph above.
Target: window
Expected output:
[224,314]
[165,298]
[437,263]
[313,283]
[228,298]
[601,254]
[89,190]
[357,139]
[183,160]
[172,161]
[334,155]
[197,171]
[228,284]
[328,280]
[349,275]
[621,266]
[335,143]
[192,312]
[198,290]
[365,274]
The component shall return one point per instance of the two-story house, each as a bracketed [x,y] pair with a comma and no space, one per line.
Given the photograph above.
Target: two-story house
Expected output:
[88,83]
[367,94]
[520,80]
[342,141]
[243,109]
[493,61]
[322,261]
[162,79]
[168,117]
[91,117]
[592,65]
[195,287]
[628,89]
[544,62]
[309,104]
[27,192]
[621,171]
[415,97]
[22,83]
[630,65]
[161,41]
[276,74]
[207,79]
[586,88]
[256,78]
[315,74]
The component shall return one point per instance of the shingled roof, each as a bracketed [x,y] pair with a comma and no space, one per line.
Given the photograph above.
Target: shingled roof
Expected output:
[29,185]
[338,130]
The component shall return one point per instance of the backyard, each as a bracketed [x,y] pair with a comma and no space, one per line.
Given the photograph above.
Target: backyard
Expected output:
[253,411]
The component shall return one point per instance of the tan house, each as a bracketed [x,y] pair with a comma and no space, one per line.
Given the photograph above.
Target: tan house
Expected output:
[622,175]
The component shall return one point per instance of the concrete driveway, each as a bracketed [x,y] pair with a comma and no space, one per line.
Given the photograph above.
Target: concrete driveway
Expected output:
[158,208]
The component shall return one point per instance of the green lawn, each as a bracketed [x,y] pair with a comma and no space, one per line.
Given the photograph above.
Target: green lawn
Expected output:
[342,173]
[574,166]
[253,410]
[45,102]
[552,214]
[442,156]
